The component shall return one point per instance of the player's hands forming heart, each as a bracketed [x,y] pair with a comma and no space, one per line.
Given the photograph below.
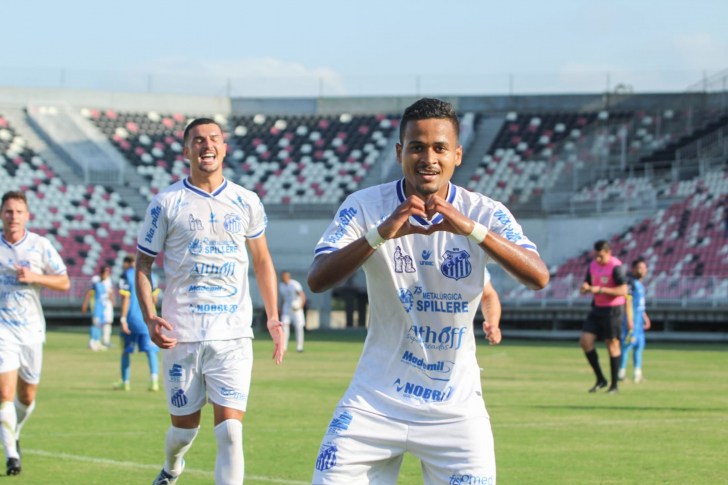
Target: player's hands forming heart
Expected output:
[452,220]
[398,224]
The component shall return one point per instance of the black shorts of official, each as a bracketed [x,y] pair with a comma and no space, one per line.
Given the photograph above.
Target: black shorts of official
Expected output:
[605,322]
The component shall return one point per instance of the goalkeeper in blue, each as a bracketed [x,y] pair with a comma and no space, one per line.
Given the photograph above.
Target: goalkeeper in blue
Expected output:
[636,321]
[134,330]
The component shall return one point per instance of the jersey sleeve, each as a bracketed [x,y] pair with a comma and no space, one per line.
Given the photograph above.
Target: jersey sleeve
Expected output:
[348,226]
[487,277]
[52,262]
[297,286]
[124,287]
[153,230]
[502,222]
[619,275]
[258,220]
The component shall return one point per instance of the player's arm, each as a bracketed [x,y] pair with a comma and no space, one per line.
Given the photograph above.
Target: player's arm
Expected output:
[55,282]
[84,305]
[586,285]
[302,296]
[334,268]
[491,307]
[265,274]
[144,289]
[648,323]
[124,312]
[524,265]
[629,312]
[112,298]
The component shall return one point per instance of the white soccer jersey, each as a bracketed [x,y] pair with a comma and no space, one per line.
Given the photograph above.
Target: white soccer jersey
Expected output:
[21,315]
[205,261]
[289,293]
[418,362]
[108,285]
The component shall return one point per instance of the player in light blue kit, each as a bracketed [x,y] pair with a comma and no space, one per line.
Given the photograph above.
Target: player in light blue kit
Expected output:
[423,244]
[636,321]
[99,297]
[134,330]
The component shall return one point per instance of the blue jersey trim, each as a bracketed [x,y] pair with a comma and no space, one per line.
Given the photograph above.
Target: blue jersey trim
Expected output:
[451,191]
[325,248]
[256,236]
[194,189]
[146,251]
[11,246]
[528,246]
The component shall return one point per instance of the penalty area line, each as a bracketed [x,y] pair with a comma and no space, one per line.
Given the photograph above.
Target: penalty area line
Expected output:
[564,424]
[128,464]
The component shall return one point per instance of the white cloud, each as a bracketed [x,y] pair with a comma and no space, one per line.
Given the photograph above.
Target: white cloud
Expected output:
[701,50]
[259,76]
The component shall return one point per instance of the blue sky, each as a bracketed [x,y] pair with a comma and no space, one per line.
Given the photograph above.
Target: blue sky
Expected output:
[364,47]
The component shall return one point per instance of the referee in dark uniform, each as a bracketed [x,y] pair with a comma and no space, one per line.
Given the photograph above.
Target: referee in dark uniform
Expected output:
[606,279]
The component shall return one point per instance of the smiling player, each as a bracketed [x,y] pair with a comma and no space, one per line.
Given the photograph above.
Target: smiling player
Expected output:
[417,387]
[202,224]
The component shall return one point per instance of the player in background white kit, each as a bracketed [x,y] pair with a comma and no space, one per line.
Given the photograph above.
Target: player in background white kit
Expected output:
[203,224]
[292,300]
[108,300]
[27,263]
[423,244]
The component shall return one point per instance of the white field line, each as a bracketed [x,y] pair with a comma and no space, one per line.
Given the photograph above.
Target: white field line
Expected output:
[605,423]
[128,464]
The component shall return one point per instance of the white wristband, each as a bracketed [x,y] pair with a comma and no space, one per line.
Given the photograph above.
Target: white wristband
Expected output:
[374,238]
[479,233]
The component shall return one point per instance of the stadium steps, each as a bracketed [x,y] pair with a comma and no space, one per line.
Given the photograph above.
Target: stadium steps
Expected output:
[18,118]
[130,190]
[669,152]
[485,133]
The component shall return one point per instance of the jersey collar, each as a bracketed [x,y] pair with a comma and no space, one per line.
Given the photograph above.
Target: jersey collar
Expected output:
[25,236]
[451,191]
[197,191]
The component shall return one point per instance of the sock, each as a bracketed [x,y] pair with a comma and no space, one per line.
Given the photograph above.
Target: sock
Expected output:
[8,424]
[106,331]
[286,335]
[614,367]
[299,337]
[230,463]
[591,356]
[153,360]
[125,367]
[177,443]
[637,373]
[22,413]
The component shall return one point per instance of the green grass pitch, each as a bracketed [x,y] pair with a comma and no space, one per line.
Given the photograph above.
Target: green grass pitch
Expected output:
[548,429]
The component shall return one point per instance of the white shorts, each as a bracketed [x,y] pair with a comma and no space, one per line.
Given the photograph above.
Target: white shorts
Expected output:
[217,369]
[294,317]
[365,448]
[26,359]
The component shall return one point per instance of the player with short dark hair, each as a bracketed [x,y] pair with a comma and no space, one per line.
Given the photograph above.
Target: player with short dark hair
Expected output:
[203,224]
[134,331]
[291,310]
[28,262]
[636,321]
[423,244]
[606,279]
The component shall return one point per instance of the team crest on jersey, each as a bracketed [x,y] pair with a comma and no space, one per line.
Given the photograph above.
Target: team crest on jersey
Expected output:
[233,223]
[405,296]
[195,247]
[402,262]
[605,280]
[456,264]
